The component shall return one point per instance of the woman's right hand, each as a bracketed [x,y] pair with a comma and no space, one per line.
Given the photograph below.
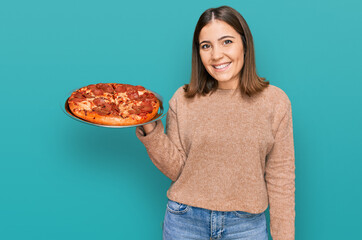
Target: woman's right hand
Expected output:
[149,127]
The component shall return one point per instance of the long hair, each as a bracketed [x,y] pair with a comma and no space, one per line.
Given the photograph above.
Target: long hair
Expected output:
[201,81]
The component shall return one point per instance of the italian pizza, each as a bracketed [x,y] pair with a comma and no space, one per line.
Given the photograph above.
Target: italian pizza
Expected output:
[114,104]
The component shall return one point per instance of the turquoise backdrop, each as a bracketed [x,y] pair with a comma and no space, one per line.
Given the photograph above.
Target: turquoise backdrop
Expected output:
[61,179]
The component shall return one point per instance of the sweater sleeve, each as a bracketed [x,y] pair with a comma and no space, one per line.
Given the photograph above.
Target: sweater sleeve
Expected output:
[280,179]
[165,150]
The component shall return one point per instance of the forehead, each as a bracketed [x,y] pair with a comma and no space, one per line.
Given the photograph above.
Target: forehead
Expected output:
[216,29]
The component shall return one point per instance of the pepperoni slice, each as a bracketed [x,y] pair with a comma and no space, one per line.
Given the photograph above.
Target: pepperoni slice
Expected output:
[139,88]
[130,87]
[99,101]
[99,85]
[133,95]
[135,110]
[107,107]
[88,95]
[115,109]
[106,87]
[92,87]
[147,101]
[101,111]
[146,108]
[151,95]
[78,95]
[121,89]
[97,92]
[77,99]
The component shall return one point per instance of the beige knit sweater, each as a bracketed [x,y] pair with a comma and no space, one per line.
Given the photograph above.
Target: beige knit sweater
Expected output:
[227,152]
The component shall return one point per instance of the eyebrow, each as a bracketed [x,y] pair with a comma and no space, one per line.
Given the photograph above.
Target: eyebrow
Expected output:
[227,36]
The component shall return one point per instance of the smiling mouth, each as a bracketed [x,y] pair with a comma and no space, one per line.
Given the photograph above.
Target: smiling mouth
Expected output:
[221,66]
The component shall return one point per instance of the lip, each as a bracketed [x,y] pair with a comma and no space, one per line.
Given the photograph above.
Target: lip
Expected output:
[221,69]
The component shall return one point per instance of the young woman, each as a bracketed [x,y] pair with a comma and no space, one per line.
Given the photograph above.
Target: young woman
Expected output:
[228,147]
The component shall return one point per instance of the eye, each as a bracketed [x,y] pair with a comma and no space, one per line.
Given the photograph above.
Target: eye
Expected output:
[205,46]
[227,41]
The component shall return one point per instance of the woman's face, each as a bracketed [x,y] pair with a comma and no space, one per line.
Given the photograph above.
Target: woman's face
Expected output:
[222,53]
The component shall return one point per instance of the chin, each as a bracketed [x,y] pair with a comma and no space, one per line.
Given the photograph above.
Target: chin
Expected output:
[223,80]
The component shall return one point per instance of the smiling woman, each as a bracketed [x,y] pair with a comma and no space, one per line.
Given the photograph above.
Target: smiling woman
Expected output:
[228,146]
[222,36]
[222,53]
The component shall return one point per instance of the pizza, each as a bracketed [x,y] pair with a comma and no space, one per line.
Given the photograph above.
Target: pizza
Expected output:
[114,104]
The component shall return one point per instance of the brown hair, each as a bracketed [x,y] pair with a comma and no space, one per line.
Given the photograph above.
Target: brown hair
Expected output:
[201,82]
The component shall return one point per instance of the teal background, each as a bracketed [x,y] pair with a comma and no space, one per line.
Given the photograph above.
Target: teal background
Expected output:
[61,179]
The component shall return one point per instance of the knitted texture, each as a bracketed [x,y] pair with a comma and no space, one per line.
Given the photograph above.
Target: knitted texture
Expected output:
[229,152]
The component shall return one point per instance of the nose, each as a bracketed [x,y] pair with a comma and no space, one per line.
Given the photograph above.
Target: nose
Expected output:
[216,53]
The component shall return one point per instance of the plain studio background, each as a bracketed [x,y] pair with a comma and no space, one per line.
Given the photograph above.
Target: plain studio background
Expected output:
[61,179]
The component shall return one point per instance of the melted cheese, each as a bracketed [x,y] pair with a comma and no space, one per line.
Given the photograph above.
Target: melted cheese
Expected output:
[85,105]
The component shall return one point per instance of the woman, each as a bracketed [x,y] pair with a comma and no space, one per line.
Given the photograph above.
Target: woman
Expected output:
[228,147]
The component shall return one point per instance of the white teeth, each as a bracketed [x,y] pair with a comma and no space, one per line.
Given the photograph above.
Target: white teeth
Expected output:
[221,66]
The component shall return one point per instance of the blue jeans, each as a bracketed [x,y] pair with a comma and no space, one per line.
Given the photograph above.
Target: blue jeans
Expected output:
[187,222]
